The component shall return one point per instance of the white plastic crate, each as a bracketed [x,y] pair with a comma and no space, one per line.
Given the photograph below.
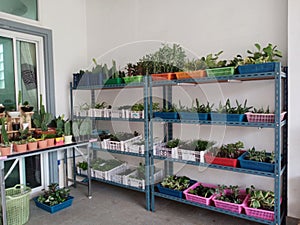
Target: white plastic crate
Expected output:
[121,145]
[81,171]
[116,113]
[140,149]
[130,179]
[162,150]
[137,114]
[192,155]
[106,175]
[120,177]
[107,113]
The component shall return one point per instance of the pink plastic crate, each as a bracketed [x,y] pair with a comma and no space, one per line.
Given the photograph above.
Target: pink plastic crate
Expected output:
[262,118]
[199,199]
[237,208]
[258,213]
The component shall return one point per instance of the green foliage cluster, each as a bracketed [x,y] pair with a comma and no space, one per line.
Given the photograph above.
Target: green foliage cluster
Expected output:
[54,195]
[178,183]
[231,150]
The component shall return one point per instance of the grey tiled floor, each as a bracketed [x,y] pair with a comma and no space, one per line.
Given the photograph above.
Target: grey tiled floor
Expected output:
[112,205]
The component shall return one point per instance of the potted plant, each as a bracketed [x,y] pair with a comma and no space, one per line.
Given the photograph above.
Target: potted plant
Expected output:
[2,108]
[261,60]
[82,168]
[114,76]
[216,67]
[230,198]
[134,73]
[257,160]
[42,119]
[137,111]
[59,121]
[194,150]
[5,146]
[170,112]
[260,203]
[20,146]
[67,132]
[32,143]
[26,107]
[226,155]
[175,185]
[196,112]
[262,115]
[200,193]
[43,142]
[230,113]
[54,199]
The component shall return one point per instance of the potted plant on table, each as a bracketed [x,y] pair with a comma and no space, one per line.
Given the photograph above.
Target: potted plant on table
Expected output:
[20,146]
[5,146]
[59,121]
[32,143]
[260,203]
[54,199]
[230,113]
[261,60]
[2,108]
[26,107]
[67,132]
[258,160]
[230,198]
[43,142]
[226,155]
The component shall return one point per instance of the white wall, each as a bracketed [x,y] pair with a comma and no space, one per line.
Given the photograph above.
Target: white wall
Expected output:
[294,107]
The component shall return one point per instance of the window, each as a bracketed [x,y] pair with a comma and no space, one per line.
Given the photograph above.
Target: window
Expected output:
[2,81]
[27,9]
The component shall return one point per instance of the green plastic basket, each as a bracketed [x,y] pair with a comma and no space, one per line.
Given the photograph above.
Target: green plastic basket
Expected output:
[17,204]
[223,71]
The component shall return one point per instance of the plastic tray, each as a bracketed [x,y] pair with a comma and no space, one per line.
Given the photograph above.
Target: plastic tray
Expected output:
[255,165]
[237,208]
[172,192]
[199,199]
[223,71]
[55,208]
[257,68]
[262,118]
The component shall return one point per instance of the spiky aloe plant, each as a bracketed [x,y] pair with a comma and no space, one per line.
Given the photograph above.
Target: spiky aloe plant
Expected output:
[42,119]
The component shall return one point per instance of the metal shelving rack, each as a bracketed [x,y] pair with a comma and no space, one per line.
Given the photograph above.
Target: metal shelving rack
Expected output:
[95,148]
[280,136]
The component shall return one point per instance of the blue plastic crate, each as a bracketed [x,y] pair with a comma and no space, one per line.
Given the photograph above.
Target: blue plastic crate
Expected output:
[254,165]
[55,208]
[257,68]
[172,192]
[227,117]
[166,115]
[193,116]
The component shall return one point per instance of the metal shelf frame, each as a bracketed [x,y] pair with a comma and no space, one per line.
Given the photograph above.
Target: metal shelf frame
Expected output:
[280,138]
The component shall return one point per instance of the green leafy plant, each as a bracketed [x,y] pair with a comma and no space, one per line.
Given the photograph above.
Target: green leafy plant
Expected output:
[67,128]
[261,199]
[106,165]
[54,195]
[102,105]
[5,138]
[260,156]
[203,191]
[229,194]
[172,143]
[261,110]
[83,165]
[31,139]
[195,64]
[229,109]
[42,118]
[232,150]
[178,183]
[202,108]
[196,145]
[269,53]
[212,60]
[60,125]
[137,107]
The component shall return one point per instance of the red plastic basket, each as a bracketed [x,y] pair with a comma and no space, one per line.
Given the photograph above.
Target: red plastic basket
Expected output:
[237,208]
[262,118]
[199,199]
[221,161]
[258,213]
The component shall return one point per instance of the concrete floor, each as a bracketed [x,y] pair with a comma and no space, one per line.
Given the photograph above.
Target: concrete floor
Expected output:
[112,205]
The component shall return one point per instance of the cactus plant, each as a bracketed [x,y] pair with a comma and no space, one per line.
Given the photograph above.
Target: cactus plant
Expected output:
[42,119]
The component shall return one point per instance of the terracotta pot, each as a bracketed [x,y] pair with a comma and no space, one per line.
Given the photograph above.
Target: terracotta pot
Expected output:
[32,146]
[43,143]
[5,150]
[50,142]
[20,148]
[59,140]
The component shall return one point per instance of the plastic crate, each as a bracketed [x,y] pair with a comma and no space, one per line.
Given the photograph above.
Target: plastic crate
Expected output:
[262,118]
[191,74]
[120,145]
[81,171]
[233,207]
[193,116]
[17,204]
[199,199]
[133,79]
[255,165]
[257,68]
[221,161]
[166,115]
[175,193]
[137,114]
[106,175]
[120,176]
[131,179]
[227,117]
[196,156]
[162,150]
[54,208]
[258,213]
[223,71]
[163,76]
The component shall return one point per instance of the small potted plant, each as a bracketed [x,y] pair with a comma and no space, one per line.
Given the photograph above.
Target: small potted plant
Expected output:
[230,198]
[67,132]
[137,111]
[20,146]
[226,155]
[43,142]
[201,193]
[26,107]
[54,199]
[261,60]
[260,203]
[230,113]
[82,168]
[32,143]
[5,146]
[257,160]
[2,108]
[59,121]
[175,185]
